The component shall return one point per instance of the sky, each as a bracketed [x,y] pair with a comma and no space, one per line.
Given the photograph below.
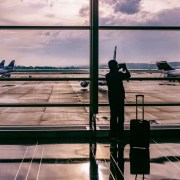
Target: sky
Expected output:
[66,48]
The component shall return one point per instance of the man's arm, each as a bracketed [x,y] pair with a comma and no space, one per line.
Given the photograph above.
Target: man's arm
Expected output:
[126,74]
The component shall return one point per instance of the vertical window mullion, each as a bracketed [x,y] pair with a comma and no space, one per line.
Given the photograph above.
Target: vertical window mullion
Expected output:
[94,33]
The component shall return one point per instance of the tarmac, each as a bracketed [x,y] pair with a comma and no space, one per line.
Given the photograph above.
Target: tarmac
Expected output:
[71,92]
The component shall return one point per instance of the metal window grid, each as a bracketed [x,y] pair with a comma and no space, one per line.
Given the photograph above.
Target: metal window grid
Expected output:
[94,29]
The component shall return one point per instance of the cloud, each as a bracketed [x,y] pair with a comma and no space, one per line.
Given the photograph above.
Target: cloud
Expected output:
[140,46]
[124,6]
[127,6]
[43,12]
[72,47]
[37,47]
[167,17]
[84,11]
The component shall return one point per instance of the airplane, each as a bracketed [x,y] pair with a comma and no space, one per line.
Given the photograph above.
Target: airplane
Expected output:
[5,71]
[2,64]
[85,83]
[167,70]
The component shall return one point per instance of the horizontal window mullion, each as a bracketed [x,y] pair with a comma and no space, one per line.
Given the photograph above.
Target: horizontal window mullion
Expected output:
[45,27]
[42,105]
[146,104]
[139,27]
[151,79]
[78,105]
[43,79]
[81,79]
[89,27]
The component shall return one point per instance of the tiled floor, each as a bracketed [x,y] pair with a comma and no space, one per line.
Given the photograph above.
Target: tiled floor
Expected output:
[47,160]
[64,92]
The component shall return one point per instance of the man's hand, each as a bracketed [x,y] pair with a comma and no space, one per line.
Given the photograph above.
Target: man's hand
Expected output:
[125,67]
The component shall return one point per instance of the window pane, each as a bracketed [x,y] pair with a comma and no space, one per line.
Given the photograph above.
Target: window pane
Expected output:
[63,54]
[140,13]
[44,12]
[42,53]
[139,46]
[140,50]
[45,48]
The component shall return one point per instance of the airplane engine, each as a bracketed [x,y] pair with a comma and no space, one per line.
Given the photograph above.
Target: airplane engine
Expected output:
[84,84]
[6,75]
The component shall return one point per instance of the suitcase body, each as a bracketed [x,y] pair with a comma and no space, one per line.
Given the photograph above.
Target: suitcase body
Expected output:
[139,129]
[139,161]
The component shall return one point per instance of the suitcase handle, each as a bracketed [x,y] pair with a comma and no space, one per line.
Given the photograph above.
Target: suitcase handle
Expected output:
[142,97]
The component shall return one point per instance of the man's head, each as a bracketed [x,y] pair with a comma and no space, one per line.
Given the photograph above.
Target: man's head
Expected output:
[113,65]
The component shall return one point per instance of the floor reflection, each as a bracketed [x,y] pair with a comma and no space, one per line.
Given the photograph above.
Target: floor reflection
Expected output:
[139,161]
[75,159]
[93,164]
[116,161]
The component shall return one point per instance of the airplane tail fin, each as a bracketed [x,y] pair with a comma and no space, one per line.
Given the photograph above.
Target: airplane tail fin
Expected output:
[114,56]
[11,65]
[2,64]
[163,65]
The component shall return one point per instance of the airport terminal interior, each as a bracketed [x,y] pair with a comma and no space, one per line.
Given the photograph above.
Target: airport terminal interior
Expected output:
[54,108]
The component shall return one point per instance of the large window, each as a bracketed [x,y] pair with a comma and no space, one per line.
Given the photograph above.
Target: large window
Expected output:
[61,48]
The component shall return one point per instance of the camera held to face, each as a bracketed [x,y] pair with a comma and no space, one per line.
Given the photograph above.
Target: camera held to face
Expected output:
[122,66]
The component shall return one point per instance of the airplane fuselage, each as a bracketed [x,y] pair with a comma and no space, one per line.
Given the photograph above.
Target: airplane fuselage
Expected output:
[173,73]
[2,71]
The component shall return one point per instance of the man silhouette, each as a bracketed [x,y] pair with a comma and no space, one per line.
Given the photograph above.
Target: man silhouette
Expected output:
[116,95]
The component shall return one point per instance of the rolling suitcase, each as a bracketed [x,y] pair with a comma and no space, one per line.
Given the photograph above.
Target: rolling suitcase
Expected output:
[139,129]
